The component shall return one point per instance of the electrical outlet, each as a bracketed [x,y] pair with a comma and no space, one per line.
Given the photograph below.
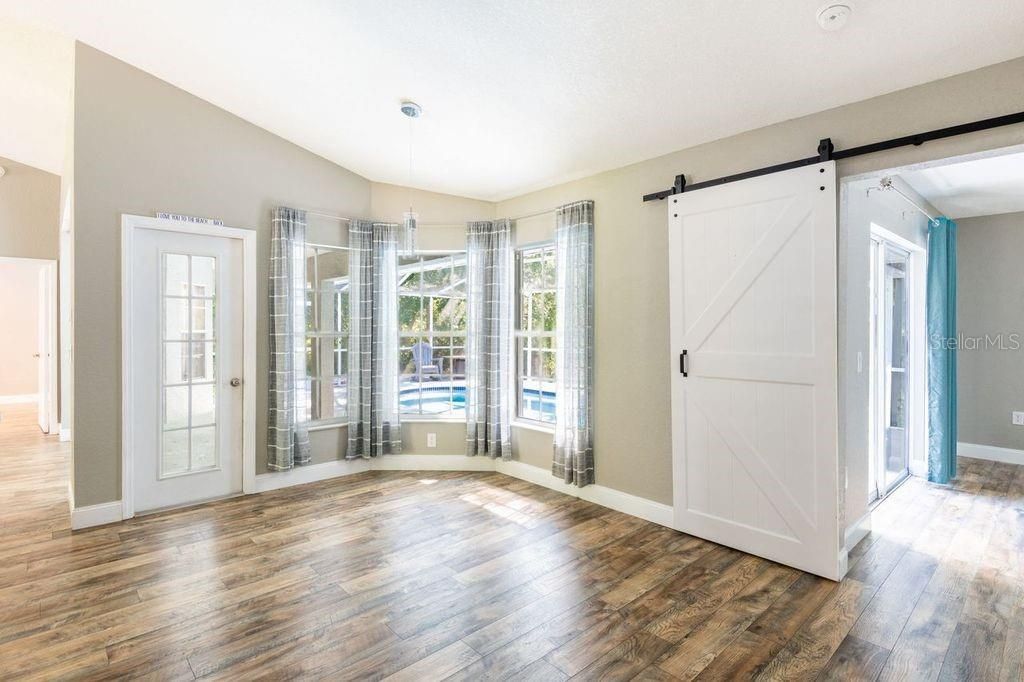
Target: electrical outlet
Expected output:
[432,440]
[1017,418]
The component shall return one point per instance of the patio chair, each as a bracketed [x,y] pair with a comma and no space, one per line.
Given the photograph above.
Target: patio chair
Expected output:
[426,367]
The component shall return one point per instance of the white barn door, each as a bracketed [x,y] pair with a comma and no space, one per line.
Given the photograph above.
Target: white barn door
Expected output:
[754,419]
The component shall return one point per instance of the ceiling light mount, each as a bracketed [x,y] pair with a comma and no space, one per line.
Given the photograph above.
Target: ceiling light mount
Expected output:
[834,15]
[411,109]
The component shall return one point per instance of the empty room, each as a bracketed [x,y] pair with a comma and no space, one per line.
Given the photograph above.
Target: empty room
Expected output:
[511,340]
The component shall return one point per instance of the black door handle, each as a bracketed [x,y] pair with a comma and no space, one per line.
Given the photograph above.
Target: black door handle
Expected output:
[683,364]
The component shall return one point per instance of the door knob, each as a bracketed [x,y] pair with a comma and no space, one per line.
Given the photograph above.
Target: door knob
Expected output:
[236,381]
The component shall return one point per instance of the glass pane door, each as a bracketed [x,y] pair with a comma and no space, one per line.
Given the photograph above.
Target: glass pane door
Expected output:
[893,466]
[188,391]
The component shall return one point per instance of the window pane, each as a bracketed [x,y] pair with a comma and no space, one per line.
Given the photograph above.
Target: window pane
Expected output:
[175,319]
[310,275]
[204,361]
[202,318]
[339,354]
[176,362]
[442,313]
[310,310]
[175,274]
[174,457]
[175,407]
[204,447]
[543,312]
[204,276]
[204,404]
[331,265]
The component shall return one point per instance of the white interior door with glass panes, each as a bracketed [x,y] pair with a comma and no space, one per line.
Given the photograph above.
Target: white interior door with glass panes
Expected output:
[186,317]
[754,399]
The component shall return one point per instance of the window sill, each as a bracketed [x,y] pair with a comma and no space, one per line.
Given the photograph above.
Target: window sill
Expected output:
[326,426]
[533,426]
[426,419]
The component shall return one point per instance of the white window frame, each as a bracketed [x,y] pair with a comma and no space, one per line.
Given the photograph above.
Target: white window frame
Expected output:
[312,296]
[430,333]
[521,373]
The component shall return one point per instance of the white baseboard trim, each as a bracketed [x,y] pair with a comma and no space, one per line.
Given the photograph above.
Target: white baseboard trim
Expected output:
[431,463]
[17,399]
[598,494]
[990,452]
[309,474]
[858,531]
[65,434]
[640,507]
[96,515]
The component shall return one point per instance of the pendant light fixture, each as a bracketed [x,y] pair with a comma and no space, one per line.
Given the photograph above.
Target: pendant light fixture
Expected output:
[408,245]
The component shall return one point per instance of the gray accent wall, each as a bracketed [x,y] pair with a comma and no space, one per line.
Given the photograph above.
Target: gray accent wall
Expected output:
[990,302]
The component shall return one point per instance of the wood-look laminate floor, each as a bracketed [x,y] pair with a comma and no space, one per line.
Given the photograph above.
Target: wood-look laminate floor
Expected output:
[473,576]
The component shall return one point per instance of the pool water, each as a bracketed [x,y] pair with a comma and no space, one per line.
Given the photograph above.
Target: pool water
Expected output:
[444,398]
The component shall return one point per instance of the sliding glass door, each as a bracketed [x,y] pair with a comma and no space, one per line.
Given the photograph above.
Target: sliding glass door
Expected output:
[890,361]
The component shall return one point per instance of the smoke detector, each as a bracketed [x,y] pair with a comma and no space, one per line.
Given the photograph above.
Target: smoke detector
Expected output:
[834,16]
[411,109]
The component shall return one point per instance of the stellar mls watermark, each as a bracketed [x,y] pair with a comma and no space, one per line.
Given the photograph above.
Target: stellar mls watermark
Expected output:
[1000,341]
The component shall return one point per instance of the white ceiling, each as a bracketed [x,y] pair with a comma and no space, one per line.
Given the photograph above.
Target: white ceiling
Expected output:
[972,188]
[521,94]
[35,95]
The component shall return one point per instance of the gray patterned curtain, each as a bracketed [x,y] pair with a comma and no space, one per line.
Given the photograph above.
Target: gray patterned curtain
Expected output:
[374,427]
[489,317]
[287,433]
[574,338]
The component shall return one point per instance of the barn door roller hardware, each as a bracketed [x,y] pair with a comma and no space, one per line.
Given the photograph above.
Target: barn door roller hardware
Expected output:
[826,152]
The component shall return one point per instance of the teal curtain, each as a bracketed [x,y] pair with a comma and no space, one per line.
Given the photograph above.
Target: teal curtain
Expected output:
[942,346]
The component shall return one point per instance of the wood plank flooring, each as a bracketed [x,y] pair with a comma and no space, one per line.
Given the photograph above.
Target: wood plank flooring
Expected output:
[477,576]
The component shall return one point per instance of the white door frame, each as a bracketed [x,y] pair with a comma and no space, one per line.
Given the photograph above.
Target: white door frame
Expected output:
[917,408]
[47,344]
[130,224]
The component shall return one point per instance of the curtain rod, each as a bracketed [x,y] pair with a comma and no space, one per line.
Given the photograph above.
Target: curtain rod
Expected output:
[346,219]
[887,184]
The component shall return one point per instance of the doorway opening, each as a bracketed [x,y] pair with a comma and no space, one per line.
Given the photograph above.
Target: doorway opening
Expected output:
[29,367]
[896,358]
[892,269]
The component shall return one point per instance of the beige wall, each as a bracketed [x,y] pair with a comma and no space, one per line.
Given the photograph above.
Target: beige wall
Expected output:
[29,211]
[990,294]
[444,219]
[141,146]
[19,312]
[633,360]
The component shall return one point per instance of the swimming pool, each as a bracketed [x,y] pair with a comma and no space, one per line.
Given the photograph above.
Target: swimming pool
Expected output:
[444,398]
